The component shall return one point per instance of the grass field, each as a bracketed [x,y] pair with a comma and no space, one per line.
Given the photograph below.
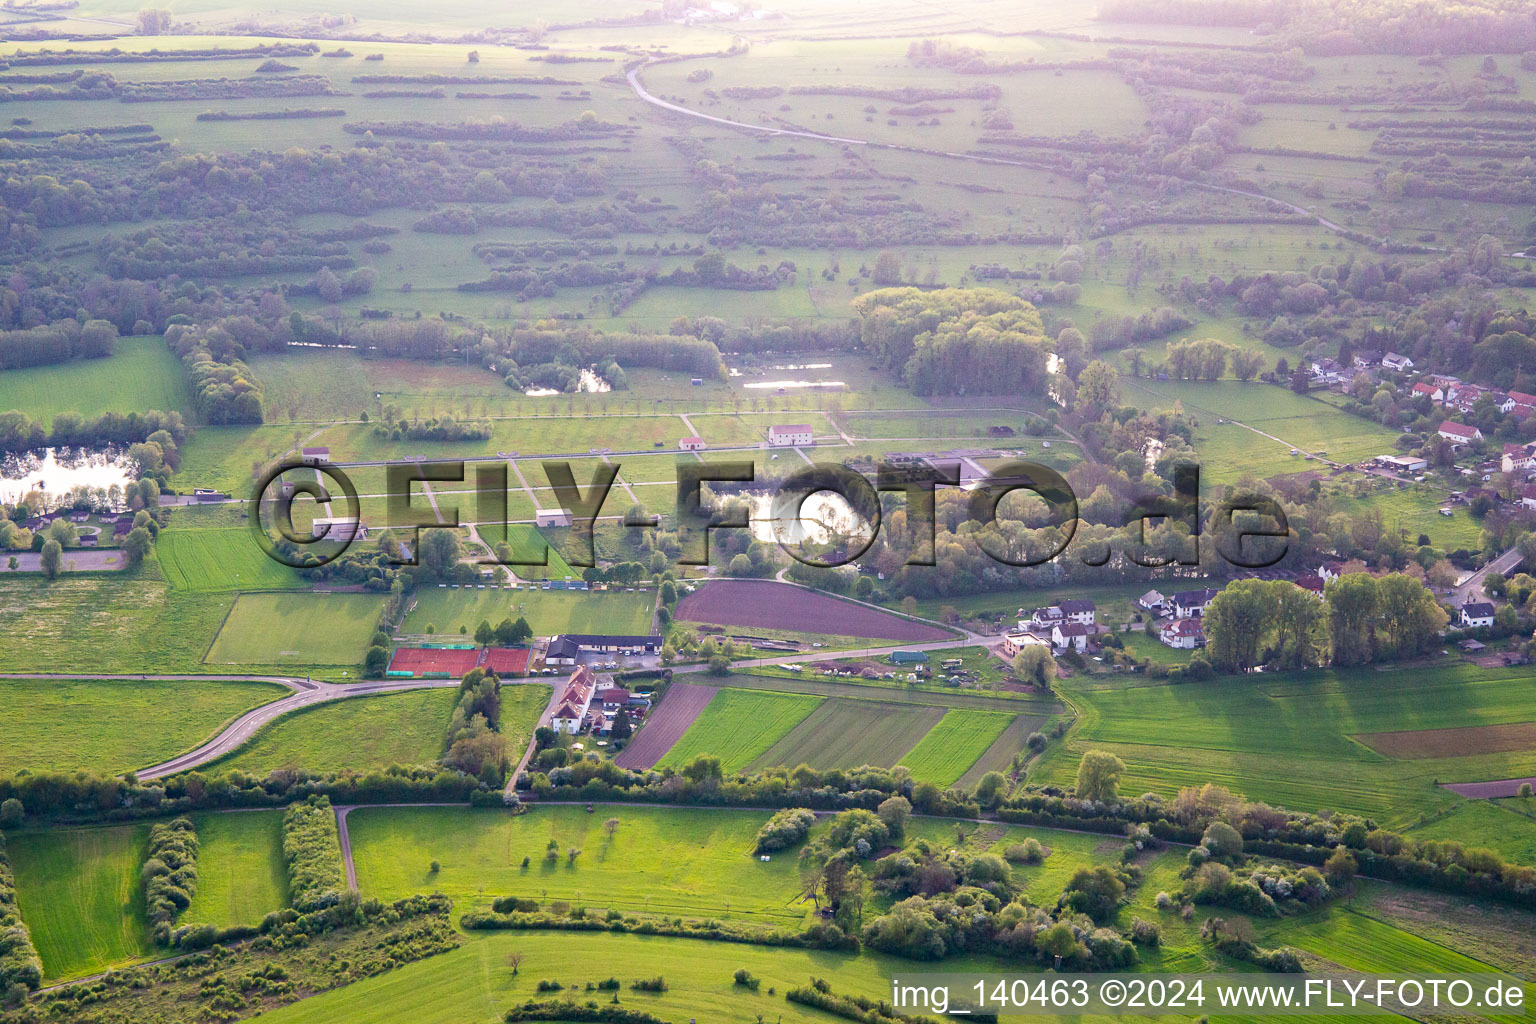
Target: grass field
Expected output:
[738,726]
[224,559]
[140,374]
[848,733]
[79,893]
[548,611]
[695,863]
[1503,825]
[1287,739]
[240,872]
[999,755]
[65,725]
[111,622]
[273,629]
[952,746]
[359,733]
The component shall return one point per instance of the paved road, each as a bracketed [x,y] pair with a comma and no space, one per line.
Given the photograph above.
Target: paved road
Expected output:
[1471,587]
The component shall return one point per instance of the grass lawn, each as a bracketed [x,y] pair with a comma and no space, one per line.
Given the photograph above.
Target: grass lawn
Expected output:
[221,559]
[952,746]
[303,628]
[1289,739]
[845,733]
[108,726]
[359,732]
[141,374]
[240,872]
[1000,754]
[79,893]
[739,725]
[694,863]
[548,611]
[1142,644]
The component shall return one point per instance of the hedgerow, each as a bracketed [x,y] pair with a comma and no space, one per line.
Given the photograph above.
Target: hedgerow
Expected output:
[19,962]
[312,850]
[169,874]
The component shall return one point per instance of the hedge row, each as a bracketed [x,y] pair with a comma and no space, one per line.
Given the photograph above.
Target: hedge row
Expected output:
[572,1012]
[312,850]
[818,936]
[19,962]
[169,874]
[818,994]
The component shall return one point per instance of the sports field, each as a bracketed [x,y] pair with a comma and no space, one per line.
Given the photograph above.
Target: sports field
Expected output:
[738,726]
[548,611]
[693,862]
[302,628]
[65,725]
[848,733]
[140,374]
[240,872]
[360,733]
[954,744]
[220,559]
[79,893]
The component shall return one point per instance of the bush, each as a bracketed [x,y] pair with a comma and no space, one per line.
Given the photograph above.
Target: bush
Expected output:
[312,851]
[1028,852]
[1145,933]
[786,828]
[744,977]
[19,962]
[515,904]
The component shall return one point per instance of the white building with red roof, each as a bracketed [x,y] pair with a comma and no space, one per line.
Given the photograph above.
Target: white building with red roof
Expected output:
[791,435]
[575,701]
[1459,433]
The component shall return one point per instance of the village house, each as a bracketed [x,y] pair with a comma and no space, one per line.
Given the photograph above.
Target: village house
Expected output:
[1152,601]
[1396,363]
[1019,639]
[1182,634]
[1329,571]
[1459,433]
[1312,584]
[1528,496]
[1189,604]
[1366,358]
[1430,391]
[691,444]
[1475,614]
[567,648]
[1080,611]
[1518,457]
[1069,634]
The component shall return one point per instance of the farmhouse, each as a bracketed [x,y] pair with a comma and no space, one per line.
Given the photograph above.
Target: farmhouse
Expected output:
[1152,601]
[575,701]
[1191,603]
[1429,391]
[1311,583]
[1476,614]
[1459,433]
[691,444]
[566,649]
[790,436]
[1396,363]
[1016,641]
[314,456]
[1183,634]
[1329,571]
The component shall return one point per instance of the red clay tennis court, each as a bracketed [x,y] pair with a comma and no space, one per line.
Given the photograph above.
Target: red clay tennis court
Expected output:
[450,662]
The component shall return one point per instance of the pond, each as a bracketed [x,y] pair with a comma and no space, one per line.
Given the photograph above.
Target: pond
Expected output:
[60,473]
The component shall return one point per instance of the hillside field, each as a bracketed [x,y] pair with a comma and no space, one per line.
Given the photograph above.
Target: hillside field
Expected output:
[549,612]
[739,725]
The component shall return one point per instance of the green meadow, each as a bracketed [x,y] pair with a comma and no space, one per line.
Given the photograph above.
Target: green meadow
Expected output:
[953,745]
[221,559]
[79,893]
[300,629]
[108,725]
[549,612]
[844,733]
[241,876]
[359,733]
[140,374]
